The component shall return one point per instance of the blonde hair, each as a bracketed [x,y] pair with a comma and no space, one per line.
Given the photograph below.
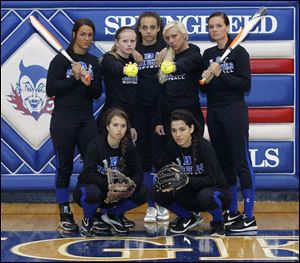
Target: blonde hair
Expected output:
[171,53]
[114,48]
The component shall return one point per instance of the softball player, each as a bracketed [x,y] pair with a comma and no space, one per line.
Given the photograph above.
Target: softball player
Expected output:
[207,188]
[150,48]
[181,88]
[112,149]
[119,88]
[72,123]
[227,119]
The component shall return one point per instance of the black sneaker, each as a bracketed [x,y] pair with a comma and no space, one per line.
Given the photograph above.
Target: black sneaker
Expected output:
[230,218]
[87,227]
[128,223]
[115,222]
[196,214]
[174,222]
[245,224]
[217,229]
[66,219]
[99,224]
[184,224]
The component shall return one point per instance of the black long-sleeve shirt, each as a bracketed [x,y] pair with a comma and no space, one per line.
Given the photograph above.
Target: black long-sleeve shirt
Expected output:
[208,171]
[148,85]
[101,156]
[120,89]
[234,80]
[182,87]
[68,91]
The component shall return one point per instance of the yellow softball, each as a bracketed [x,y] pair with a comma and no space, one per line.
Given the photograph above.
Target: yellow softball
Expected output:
[167,67]
[131,70]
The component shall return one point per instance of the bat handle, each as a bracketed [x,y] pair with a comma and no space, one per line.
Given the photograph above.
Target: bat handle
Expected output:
[202,81]
[87,77]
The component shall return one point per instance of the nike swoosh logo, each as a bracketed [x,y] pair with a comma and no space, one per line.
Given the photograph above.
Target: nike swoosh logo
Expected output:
[232,218]
[187,223]
[247,224]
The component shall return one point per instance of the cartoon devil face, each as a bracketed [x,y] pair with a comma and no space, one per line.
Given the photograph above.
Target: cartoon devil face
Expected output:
[32,87]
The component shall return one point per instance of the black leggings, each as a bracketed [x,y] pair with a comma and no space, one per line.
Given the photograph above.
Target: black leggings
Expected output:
[68,130]
[228,129]
[198,201]
[96,195]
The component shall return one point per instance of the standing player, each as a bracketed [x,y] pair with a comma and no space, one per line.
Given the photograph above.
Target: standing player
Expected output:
[72,123]
[112,149]
[181,88]
[150,45]
[227,119]
[120,88]
[206,189]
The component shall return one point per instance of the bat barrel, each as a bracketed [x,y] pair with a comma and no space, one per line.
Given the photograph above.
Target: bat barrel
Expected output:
[262,11]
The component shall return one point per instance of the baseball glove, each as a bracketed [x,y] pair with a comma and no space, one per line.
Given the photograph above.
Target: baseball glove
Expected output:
[171,178]
[119,186]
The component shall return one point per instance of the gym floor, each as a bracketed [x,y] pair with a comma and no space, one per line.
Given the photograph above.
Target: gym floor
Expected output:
[29,233]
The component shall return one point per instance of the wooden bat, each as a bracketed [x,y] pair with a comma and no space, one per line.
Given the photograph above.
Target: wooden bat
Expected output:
[52,41]
[242,35]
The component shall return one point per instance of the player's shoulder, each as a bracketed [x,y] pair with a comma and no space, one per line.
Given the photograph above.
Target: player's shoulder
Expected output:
[204,143]
[92,56]
[211,50]
[241,49]
[59,61]
[194,48]
[108,55]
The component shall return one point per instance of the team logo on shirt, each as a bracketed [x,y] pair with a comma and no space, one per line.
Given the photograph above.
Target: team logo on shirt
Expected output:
[172,77]
[188,165]
[226,67]
[114,161]
[149,61]
[88,68]
[130,80]
[29,94]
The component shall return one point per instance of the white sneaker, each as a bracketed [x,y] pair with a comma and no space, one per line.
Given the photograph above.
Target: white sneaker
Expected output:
[151,215]
[151,228]
[162,213]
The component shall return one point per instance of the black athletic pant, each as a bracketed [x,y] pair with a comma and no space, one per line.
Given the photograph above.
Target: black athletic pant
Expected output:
[197,201]
[70,126]
[228,129]
[95,194]
[148,144]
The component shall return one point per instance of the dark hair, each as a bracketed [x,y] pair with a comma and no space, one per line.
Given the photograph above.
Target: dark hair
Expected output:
[189,119]
[158,21]
[79,23]
[226,21]
[110,113]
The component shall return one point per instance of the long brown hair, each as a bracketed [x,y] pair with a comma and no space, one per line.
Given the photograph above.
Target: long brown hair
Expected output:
[127,137]
[189,119]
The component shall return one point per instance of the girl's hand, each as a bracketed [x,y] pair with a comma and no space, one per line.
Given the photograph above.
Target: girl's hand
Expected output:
[159,130]
[138,58]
